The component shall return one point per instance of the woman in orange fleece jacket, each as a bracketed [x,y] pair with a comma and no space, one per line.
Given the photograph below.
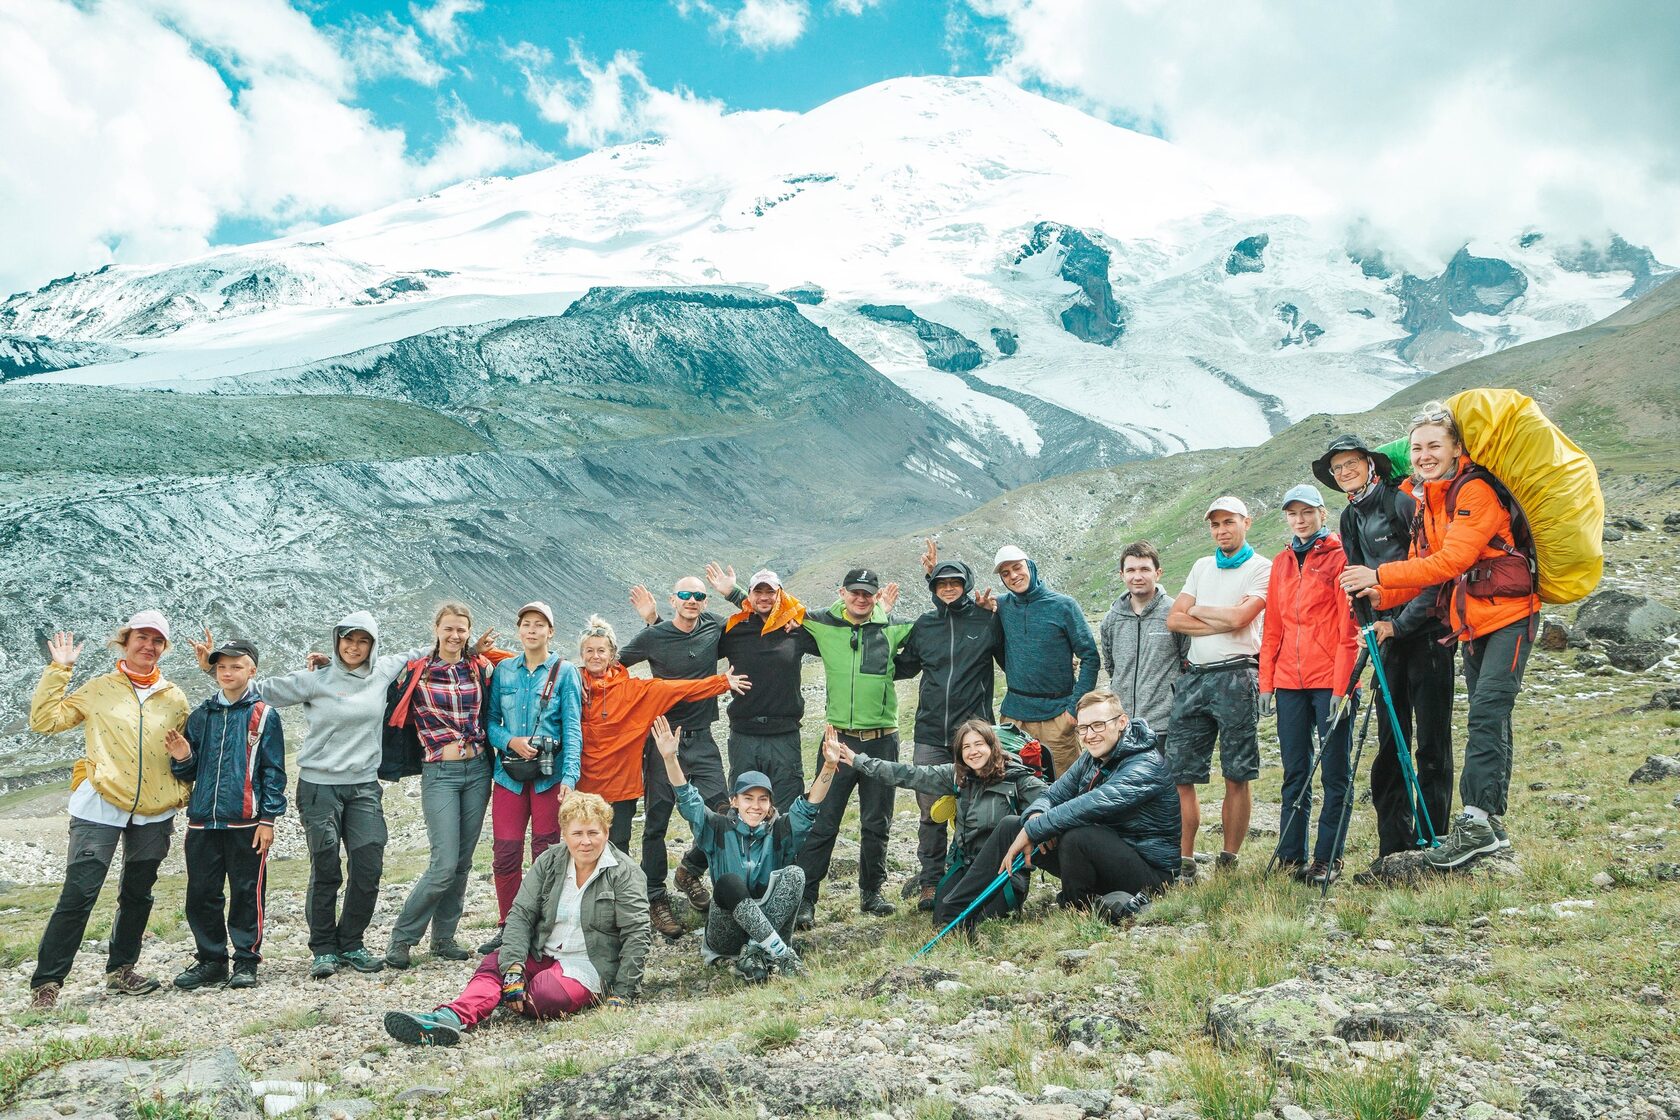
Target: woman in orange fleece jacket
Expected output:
[618,713]
[1490,605]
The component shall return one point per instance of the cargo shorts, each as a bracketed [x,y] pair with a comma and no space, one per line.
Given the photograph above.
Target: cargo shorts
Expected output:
[1222,704]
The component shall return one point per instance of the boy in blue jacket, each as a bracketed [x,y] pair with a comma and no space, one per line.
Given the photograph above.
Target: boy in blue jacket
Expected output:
[234,754]
[750,851]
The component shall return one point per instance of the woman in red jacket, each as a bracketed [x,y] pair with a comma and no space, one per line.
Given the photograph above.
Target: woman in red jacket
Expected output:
[1307,651]
[1464,542]
[618,713]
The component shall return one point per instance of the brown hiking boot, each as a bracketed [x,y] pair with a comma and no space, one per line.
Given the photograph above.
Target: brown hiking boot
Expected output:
[694,889]
[925,902]
[125,981]
[664,922]
[44,998]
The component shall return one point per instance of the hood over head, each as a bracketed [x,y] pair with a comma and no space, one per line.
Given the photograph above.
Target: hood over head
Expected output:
[356,620]
[952,569]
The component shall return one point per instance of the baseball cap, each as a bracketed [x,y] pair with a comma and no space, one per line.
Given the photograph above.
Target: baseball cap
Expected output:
[146,620]
[1008,554]
[1304,493]
[862,579]
[752,779]
[540,607]
[763,576]
[234,647]
[1229,505]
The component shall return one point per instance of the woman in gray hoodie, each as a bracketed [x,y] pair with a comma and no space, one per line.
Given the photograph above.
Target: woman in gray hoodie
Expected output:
[339,799]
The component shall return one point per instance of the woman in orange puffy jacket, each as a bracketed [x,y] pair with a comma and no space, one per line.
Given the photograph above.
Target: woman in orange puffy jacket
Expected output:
[618,713]
[1464,542]
[1307,651]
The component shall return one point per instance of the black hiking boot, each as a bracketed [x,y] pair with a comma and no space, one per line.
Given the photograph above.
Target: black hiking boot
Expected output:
[200,973]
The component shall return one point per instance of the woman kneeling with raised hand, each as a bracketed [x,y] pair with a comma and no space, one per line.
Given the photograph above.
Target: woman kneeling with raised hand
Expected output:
[577,934]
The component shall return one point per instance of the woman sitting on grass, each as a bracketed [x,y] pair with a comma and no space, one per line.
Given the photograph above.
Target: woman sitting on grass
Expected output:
[577,934]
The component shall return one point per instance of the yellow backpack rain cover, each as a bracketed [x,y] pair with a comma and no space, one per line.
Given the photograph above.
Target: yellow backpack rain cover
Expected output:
[1553,479]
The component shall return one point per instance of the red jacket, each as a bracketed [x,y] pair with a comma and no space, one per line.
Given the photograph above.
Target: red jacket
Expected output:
[1309,639]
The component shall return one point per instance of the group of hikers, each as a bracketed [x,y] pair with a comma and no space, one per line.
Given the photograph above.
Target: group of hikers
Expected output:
[1095,786]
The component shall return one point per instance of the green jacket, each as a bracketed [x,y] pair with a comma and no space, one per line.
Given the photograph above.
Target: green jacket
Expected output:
[614,913]
[858,666]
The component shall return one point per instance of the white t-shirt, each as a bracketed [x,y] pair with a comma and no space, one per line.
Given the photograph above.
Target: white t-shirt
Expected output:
[87,805]
[565,941]
[1214,586]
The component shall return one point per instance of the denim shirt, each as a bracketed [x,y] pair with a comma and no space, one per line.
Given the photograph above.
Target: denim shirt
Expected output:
[516,696]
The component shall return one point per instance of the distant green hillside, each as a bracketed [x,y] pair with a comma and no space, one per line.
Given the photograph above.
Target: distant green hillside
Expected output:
[1614,387]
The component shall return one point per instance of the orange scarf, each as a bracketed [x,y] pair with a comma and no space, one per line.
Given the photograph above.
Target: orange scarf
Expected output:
[139,680]
[787,609]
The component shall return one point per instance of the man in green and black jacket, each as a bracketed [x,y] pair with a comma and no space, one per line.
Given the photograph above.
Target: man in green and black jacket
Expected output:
[858,644]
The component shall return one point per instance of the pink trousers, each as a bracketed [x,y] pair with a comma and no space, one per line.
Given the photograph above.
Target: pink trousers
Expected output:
[510,815]
[549,992]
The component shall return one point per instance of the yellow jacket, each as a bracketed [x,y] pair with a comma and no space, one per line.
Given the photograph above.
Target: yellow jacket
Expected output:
[124,757]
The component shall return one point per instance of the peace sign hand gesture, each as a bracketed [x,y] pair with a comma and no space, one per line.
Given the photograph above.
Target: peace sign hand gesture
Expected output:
[930,556]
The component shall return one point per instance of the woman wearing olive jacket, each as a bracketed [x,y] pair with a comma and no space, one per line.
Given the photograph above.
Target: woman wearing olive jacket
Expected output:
[576,935]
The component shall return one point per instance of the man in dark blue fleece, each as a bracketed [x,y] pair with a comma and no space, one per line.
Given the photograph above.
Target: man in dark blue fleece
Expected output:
[1050,657]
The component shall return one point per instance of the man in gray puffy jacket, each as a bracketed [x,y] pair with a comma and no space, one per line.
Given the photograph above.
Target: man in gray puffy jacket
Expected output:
[1142,656]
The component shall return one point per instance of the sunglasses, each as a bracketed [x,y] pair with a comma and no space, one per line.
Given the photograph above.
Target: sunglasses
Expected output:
[697,596]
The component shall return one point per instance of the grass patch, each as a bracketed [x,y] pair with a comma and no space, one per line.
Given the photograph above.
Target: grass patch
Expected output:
[1377,1091]
[20,1064]
[1226,1085]
[774,1033]
[297,1019]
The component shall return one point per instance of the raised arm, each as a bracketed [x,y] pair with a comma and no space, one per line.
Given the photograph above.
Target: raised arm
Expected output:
[52,710]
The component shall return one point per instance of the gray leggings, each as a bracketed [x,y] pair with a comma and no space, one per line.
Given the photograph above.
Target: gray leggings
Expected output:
[736,917]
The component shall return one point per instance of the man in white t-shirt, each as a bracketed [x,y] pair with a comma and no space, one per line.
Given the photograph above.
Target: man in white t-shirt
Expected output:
[1219,698]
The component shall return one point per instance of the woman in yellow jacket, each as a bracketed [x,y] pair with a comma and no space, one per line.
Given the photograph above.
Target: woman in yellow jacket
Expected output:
[121,789]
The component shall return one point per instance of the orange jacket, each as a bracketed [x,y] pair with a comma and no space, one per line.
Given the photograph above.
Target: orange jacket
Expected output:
[1450,543]
[618,713]
[1309,639]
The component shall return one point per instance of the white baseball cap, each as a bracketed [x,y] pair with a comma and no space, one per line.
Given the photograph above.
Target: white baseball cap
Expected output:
[1008,554]
[1229,505]
[764,576]
[540,607]
[145,620]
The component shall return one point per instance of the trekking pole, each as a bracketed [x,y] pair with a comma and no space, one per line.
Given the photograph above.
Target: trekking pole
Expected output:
[1422,825]
[1347,807]
[1020,861]
[1321,731]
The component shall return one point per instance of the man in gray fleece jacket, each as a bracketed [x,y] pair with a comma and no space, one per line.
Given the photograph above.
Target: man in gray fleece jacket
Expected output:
[339,799]
[1144,659]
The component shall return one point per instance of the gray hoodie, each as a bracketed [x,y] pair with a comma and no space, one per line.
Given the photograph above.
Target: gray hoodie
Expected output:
[1143,657]
[344,708]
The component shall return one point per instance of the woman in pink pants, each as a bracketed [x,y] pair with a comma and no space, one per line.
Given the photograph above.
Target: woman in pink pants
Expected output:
[577,934]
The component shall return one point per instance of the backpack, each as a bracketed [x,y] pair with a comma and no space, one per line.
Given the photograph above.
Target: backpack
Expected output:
[1512,575]
[1029,750]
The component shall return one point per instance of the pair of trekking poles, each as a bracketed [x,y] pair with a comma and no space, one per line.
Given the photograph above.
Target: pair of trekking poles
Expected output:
[1370,654]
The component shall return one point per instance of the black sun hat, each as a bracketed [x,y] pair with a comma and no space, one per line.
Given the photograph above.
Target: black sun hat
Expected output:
[1321,465]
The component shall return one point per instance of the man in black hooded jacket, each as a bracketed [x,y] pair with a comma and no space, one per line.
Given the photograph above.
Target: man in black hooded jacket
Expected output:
[953,646]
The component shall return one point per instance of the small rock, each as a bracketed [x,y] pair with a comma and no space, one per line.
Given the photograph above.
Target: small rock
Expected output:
[421,1093]
[350,1108]
[1618,616]
[908,978]
[1657,768]
[872,1044]
[355,1074]
[1604,880]
[1539,787]
[1098,1031]
[1554,636]
[1651,994]
[1569,800]
[1071,960]
[1666,872]
[1664,699]
[1295,1112]
[1056,1110]
[947,987]
[1671,522]
[1637,656]
[1382,944]
[1612,534]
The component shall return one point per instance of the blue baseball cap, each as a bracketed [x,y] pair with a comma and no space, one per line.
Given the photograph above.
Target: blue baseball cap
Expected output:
[1304,493]
[752,779]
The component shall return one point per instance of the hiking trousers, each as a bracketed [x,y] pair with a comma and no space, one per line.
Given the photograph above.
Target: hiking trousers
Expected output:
[778,756]
[92,847]
[932,838]
[549,992]
[1493,672]
[1419,670]
[218,858]
[967,883]
[875,805]
[348,819]
[703,767]
[1301,715]
[453,795]
[511,815]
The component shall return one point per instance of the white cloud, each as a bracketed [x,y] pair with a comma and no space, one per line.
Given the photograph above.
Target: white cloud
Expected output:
[438,21]
[389,49]
[759,25]
[124,143]
[1432,120]
[854,7]
[613,101]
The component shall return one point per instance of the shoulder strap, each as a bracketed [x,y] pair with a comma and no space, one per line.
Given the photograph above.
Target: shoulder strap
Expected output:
[553,675]
[399,714]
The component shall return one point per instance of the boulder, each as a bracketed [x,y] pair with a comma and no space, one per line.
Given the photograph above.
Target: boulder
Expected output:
[1554,636]
[1657,768]
[1618,616]
[1098,1031]
[1635,657]
[1612,534]
[208,1082]
[1664,700]
[1671,522]
[1005,340]
[1286,1021]
[663,1086]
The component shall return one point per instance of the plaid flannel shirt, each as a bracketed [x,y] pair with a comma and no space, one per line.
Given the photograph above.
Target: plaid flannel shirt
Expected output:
[447,703]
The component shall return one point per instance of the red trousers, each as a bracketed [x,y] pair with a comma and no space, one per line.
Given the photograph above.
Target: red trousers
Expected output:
[549,992]
[511,814]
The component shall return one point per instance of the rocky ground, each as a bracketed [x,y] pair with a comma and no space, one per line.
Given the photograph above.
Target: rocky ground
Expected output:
[1545,985]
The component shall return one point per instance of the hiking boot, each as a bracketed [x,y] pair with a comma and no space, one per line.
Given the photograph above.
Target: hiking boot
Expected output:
[1227,861]
[362,961]
[693,888]
[664,922]
[323,966]
[125,981]
[45,998]
[925,902]
[1469,838]
[451,951]
[198,974]
[1321,874]
[807,916]
[1186,871]
[910,887]
[493,945]
[871,902]
[431,1028]
[788,963]
[1498,826]
[244,975]
[753,964]
[397,956]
